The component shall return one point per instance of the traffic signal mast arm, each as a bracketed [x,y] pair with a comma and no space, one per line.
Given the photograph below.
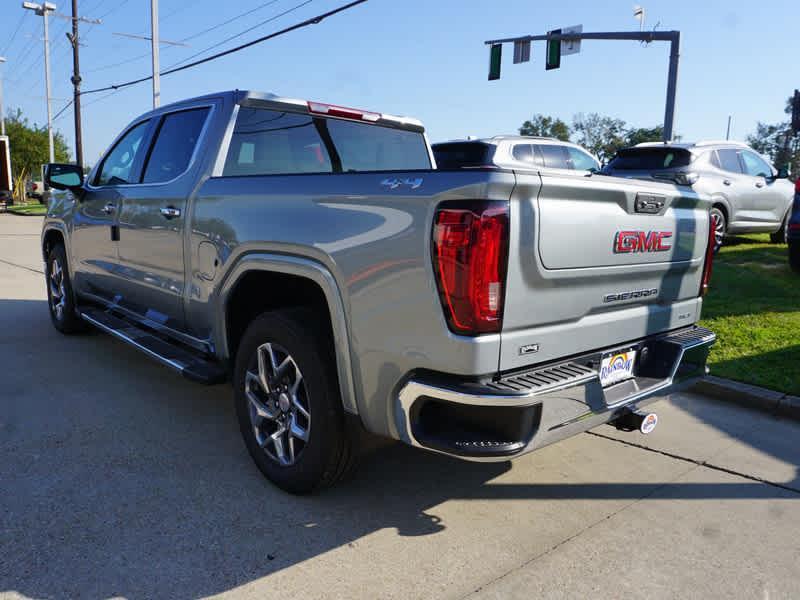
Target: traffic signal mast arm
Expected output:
[673,37]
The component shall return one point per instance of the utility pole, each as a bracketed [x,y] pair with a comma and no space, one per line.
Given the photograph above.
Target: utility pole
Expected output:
[2,110]
[154,46]
[76,85]
[728,132]
[673,37]
[42,10]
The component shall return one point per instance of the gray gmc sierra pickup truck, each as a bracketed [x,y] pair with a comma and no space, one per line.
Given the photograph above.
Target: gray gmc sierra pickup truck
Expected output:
[314,256]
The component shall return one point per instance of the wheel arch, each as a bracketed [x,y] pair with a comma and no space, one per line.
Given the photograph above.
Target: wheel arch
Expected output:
[306,277]
[722,203]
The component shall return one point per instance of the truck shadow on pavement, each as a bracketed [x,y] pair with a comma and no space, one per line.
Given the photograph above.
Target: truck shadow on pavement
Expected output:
[121,479]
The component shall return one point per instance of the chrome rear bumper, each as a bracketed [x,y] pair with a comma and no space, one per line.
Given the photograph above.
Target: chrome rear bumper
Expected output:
[522,411]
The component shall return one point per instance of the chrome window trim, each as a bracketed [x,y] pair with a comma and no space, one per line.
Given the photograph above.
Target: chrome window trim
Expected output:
[200,139]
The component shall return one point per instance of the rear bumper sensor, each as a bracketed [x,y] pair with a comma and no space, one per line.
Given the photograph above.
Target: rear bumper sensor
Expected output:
[191,365]
[524,410]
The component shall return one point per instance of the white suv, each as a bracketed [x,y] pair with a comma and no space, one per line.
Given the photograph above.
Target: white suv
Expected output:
[749,194]
[514,151]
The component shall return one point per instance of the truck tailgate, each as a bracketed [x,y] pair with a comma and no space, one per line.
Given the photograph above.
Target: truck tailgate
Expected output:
[598,261]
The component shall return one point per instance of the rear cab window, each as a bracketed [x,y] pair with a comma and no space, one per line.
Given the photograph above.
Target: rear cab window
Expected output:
[555,156]
[272,142]
[648,159]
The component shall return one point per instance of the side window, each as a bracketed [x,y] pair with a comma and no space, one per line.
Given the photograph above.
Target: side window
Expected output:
[269,142]
[580,161]
[174,146]
[116,167]
[523,152]
[755,165]
[729,160]
[554,156]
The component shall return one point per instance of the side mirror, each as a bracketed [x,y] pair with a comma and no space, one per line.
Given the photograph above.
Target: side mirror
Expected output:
[783,173]
[63,177]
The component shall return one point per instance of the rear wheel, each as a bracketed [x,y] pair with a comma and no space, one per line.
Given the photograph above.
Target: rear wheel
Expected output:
[780,236]
[720,227]
[60,299]
[288,403]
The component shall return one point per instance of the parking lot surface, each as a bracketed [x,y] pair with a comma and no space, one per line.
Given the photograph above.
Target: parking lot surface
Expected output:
[120,479]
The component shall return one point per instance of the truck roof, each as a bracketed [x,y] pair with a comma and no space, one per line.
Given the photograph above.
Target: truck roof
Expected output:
[275,101]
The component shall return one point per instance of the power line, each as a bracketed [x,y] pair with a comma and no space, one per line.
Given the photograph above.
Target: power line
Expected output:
[14,35]
[312,21]
[240,34]
[139,57]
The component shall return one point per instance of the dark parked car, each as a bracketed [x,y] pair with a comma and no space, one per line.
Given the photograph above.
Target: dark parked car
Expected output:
[793,230]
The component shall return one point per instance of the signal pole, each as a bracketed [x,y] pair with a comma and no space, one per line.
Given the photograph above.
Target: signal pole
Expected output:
[42,10]
[2,110]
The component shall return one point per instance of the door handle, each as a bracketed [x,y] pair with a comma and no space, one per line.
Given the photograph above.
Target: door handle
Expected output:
[170,212]
[760,184]
[109,208]
[726,181]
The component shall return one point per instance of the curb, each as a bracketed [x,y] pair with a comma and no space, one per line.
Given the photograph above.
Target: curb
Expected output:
[750,396]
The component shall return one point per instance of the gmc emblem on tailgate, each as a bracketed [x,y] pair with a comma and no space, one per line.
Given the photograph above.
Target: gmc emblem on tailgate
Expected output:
[627,242]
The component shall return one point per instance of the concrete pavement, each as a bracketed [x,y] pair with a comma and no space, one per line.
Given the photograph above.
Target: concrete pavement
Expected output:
[120,479]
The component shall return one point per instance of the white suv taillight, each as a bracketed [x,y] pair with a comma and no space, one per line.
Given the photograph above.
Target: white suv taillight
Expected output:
[470,259]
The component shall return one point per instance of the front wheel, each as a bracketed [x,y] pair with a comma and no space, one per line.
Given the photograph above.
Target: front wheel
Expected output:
[288,402]
[60,299]
[720,227]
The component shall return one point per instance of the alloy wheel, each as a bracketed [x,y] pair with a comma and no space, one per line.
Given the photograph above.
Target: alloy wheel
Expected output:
[719,230]
[58,296]
[280,412]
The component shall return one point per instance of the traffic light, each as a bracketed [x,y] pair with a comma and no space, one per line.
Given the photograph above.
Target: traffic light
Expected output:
[553,51]
[495,59]
[796,112]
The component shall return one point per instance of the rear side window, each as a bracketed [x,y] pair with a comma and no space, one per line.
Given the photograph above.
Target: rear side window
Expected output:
[554,156]
[523,152]
[728,159]
[269,142]
[175,144]
[646,159]
[458,155]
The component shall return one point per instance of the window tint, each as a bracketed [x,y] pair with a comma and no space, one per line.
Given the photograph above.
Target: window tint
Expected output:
[175,143]
[645,159]
[755,165]
[267,142]
[523,152]
[580,160]
[554,156]
[729,160]
[363,147]
[457,155]
[116,167]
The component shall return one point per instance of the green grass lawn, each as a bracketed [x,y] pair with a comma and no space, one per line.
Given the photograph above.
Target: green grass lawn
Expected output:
[32,208]
[754,308]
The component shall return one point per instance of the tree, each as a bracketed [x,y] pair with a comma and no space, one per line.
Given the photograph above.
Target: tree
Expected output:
[777,141]
[29,145]
[544,126]
[601,135]
[639,135]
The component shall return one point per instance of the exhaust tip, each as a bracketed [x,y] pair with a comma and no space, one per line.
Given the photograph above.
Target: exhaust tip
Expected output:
[631,421]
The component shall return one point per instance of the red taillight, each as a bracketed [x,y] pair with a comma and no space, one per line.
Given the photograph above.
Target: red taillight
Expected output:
[470,257]
[708,265]
[342,111]
[797,186]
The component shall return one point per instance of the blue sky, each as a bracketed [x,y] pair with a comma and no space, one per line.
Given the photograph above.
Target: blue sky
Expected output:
[425,59]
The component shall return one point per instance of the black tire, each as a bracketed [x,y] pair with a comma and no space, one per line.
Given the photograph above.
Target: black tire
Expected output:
[794,256]
[721,225]
[329,451]
[60,298]
[780,236]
